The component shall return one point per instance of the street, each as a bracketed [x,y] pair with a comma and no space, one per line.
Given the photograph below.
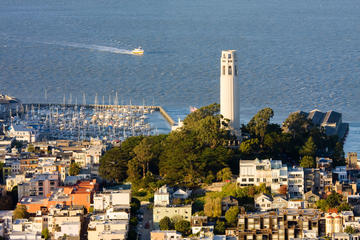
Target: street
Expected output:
[145,226]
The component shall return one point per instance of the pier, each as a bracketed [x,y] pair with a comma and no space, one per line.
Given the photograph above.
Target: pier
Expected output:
[101,106]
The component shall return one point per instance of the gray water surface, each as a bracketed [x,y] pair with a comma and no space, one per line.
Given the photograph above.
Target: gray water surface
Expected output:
[292,54]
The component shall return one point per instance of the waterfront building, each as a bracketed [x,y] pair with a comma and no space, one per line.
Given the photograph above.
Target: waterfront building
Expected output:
[9,106]
[229,89]
[330,121]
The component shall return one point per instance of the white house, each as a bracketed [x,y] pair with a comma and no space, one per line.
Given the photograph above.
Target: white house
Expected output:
[182,194]
[162,196]
[263,202]
[23,133]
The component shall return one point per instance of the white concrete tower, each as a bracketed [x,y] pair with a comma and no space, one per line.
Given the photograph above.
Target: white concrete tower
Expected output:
[229,89]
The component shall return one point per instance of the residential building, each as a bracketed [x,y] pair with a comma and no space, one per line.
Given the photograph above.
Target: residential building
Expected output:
[110,198]
[165,235]
[162,196]
[100,228]
[80,194]
[263,202]
[334,223]
[23,133]
[159,212]
[295,182]
[352,160]
[312,180]
[281,224]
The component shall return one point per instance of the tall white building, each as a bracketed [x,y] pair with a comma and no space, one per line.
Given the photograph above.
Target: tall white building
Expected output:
[229,89]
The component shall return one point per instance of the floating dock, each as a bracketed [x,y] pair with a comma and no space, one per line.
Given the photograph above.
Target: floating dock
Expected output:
[100,106]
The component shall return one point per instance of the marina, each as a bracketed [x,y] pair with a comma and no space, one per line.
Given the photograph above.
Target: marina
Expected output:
[83,122]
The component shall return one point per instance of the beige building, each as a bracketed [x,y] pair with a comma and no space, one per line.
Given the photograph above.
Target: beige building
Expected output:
[279,225]
[334,223]
[107,230]
[165,235]
[109,198]
[159,212]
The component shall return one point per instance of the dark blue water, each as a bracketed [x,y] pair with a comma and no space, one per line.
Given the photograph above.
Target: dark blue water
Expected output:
[292,54]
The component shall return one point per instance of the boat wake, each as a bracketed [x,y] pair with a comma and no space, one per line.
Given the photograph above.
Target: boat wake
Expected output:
[91,47]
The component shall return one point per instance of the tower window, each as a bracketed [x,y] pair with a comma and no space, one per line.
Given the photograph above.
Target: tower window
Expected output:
[229,56]
[224,55]
[223,70]
[230,70]
[236,71]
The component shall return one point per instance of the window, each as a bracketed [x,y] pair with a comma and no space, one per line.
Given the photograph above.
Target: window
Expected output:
[229,56]
[236,71]
[230,70]
[223,70]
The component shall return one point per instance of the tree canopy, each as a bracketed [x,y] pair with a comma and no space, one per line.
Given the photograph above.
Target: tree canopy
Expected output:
[20,212]
[113,165]
[74,169]
[297,139]
[231,215]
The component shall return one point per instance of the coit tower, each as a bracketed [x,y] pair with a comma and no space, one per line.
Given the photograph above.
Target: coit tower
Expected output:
[229,89]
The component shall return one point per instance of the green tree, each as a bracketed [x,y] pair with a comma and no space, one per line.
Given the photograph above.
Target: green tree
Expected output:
[349,230]
[260,122]
[334,199]
[113,165]
[166,224]
[143,155]
[250,148]
[45,233]
[212,206]
[31,148]
[224,174]
[322,204]
[231,215]
[309,149]
[296,124]
[344,207]
[219,227]
[183,227]
[74,169]
[20,212]
[338,155]
[308,162]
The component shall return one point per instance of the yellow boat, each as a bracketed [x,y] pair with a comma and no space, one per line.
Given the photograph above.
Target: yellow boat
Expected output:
[138,51]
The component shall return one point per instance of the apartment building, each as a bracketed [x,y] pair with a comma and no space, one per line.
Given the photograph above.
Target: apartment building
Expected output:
[281,224]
